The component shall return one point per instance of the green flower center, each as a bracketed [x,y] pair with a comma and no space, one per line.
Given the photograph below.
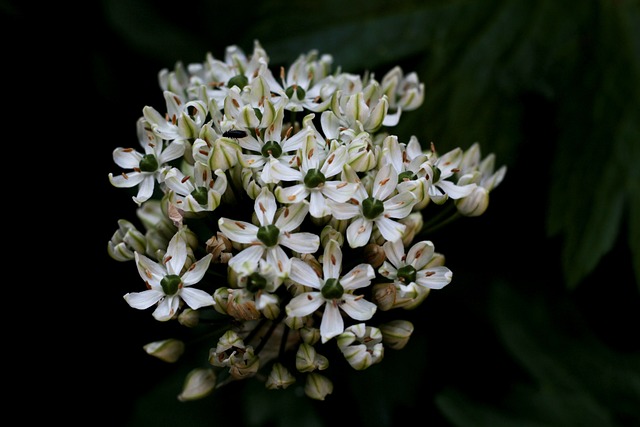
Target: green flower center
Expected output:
[406,175]
[171,284]
[299,92]
[271,148]
[240,80]
[268,235]
[332,289]
[407,274]
[436,173]
[314,178]
[200,194]
[149,163]
[372,208]
[256,282]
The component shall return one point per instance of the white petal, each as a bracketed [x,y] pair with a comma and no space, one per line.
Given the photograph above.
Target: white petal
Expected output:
[400,205]
[385,182]
[196,298]
[434,277]
[167,308]
[390,229]
[359,232]
[357,307]
[126,158]
[303,304]
[279,260]
[360,276]
[145,190]
[343,210]
[196,271]
[340,191]
[246,261]
[420,254]
[126,181]
[292,216]
[238,231]
[265,207]
[394,250]
[292,194]
[302,273]
[304,243]
[318,207]
[176,254]
[144,299]
[456,191]
[332,323]
[332,260]
[150,271]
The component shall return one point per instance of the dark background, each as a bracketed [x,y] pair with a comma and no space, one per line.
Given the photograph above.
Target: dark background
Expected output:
[540,325]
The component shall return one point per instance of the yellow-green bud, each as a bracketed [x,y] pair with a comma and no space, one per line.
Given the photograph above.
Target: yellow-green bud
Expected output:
[168,350]
[199,383]
[309,335]
[221,296]
[308,360]
[189,318]
[475,204]
[317,386]
[279,377]
[330,233]
[396,333]
[361,345]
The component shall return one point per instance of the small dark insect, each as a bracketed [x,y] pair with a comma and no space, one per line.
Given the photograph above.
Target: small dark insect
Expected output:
[234,133]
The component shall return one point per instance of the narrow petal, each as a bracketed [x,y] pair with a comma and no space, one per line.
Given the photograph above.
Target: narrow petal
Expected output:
[145,190]
[332,323]
[332,260]
[359,232]
[343,210]
[318,207]
[420,254]
[357,307]
[292,216]
[360,276]
[302,273]
[238,231]
[167,308]
[305,243]
[434,277]
[394,250]
[385,182]
[176,255]
[150,271]
[143,300]
[196,298]
[340,191]
[303,304]
[265,207]
[400,205]
[126,180]
[196,271]
[390,229]
[456,191]
[292,194]
[247,259]
[126,158]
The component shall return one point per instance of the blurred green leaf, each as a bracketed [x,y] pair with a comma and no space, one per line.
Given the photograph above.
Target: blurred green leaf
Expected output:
[595,174]
[576,379]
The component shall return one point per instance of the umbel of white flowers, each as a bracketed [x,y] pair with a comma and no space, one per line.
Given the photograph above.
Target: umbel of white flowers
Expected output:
[278,211]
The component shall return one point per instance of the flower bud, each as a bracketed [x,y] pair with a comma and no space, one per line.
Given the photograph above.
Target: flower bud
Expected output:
[168,350]
[309,335]
[241,306]
[317,386]
[279,377]
[245,366]
[374,254]
[295,322]
[414,223]
[475,204]
[189,318]
[221,296]
[199,383]
[415,297]
[217,246]
[330,233]
[396,333]
[361,345]
[125,241]
[308,360]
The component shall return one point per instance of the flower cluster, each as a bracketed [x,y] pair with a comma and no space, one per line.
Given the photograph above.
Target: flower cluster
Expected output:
[278,214]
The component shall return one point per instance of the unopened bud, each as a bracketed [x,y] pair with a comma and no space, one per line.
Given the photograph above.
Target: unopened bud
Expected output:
[330,233]
[309,335]
[374,254]
[217,246]
[168,350]
[221,296]
[361,345]
[414,223]
[199,383]
[279,377]
[317,386]
[475,204]
[396,333]
[125,241]
[308,360]
[189,318]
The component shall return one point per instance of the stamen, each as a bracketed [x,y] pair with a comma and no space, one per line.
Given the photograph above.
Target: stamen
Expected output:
[331,158]
[384,181]
[185,179]
[291,198]
[429,273]
[125,176]
[240,225]
[262,208]
[342,184]
[235,102]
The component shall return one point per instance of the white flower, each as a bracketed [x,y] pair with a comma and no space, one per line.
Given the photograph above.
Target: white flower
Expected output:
[381,208]
[438,169]
[145,168]
[197,193]
[266,239]
[333,291]
[315,185]
[414,267]
[167,283]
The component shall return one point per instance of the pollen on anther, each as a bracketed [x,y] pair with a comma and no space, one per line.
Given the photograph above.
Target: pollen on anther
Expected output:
[291,198]
[429,273]
[240,225]
[185,179]
[262,208]
[384,181]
